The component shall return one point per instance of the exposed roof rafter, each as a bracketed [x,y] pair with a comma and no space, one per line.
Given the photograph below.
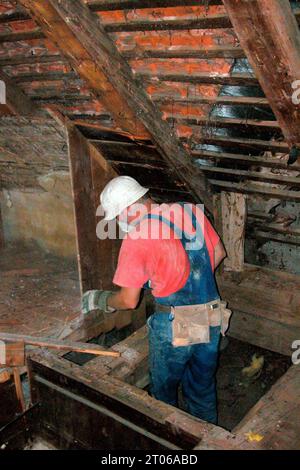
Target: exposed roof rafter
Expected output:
[269,35]
[92,53]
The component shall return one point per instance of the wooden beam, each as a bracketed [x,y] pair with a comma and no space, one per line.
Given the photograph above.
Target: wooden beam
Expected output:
[57,28]
[237,79]
[269,34]
[17,15]
[2,241]
[219,122]
[249,188]
[212,52]
[93,54]
[90,172]
[244,159]
[205,22]
[14,354]
[110,5]
[44,77]
[292,181]
[31,59]
[218,100]
[15,99]
[19,388]
[61,345]
[263,301]
[275,237]
[22,36]
[251,145]
[234,214]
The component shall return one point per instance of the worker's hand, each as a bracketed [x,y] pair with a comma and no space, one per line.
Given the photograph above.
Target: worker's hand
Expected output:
[96,300]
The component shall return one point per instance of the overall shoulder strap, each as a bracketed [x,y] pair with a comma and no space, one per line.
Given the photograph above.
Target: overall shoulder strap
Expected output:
[195,223]
[187,208]
[170,224]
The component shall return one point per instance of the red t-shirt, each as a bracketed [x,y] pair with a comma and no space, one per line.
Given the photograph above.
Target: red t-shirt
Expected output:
[154,252]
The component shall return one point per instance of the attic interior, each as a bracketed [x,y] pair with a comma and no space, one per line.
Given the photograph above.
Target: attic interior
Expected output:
[198,101]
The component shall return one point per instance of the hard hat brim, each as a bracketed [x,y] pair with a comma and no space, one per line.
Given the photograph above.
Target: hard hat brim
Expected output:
[112,214]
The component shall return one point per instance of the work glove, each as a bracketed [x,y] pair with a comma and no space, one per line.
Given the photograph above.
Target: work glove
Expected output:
[96,300]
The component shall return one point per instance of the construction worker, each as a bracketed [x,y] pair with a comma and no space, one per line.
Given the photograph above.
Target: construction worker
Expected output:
[184,332]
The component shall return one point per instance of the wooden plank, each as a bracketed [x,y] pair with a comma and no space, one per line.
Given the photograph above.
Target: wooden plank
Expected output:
[211,52]
[249,144]
[60,98]
[95,257]
[2,240]
[219,122]
[90,172]
[266,293]
[263,332]
[205,22]
[32,59]
[255,175]
[122,400]
[110,5]
[131,367]
[237,79]
[22,36]
[269,34]
[83,33]
[60,345]
[17,15]
[248,188]
[275,237]
[14,353]
[19,388]
[16,100]
[5,375]
[44,77]
[218,100]
[234,214]
[241,158]
[83,199]
[107,250]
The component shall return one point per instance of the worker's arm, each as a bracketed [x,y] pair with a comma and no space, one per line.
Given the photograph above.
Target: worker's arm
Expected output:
[219,253]
[126,298]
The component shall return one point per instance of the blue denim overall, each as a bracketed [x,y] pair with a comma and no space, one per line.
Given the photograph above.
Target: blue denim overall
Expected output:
[192,366]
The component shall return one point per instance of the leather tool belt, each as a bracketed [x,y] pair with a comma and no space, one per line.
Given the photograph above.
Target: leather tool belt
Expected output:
[191,323]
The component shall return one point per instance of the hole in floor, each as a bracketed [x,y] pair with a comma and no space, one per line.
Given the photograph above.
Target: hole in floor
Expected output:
[107,340]
[238,390]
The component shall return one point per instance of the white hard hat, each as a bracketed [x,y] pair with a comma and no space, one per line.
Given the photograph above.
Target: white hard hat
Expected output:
[120,193]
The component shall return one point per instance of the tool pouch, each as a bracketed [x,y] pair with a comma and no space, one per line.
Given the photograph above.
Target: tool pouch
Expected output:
[191,323]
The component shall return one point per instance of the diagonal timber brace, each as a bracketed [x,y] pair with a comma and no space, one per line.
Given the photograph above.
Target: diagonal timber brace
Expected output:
[91,52]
